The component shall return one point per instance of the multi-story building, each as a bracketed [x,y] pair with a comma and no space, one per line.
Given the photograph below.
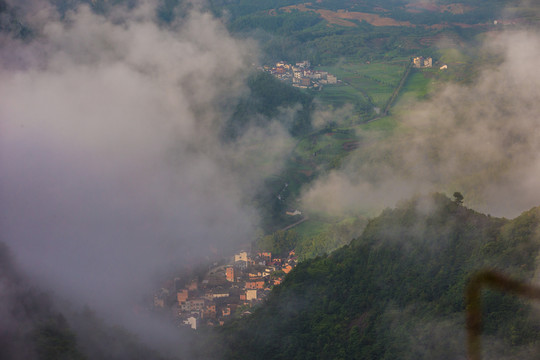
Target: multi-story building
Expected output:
[251,294]
[182,296]
[255,284]
[420,62]
[230,273]
[193,305]
[241,256]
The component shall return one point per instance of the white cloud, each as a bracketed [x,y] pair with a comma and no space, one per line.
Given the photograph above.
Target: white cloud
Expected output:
[112,168]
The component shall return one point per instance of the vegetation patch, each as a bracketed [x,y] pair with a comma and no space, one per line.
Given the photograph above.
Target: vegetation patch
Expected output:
[342,17]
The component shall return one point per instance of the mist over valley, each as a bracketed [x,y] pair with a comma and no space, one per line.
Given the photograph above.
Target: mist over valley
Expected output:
[302,180]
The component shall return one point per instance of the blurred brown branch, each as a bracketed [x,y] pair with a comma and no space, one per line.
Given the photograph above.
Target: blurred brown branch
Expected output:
[494,280]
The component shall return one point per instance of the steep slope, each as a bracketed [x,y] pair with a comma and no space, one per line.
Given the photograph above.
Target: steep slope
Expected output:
[397,291]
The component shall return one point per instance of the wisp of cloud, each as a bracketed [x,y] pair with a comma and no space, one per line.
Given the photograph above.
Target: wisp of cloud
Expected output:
[112,167]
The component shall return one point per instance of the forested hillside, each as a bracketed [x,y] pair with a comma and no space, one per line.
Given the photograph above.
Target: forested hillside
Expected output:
[327,31]
[397,291]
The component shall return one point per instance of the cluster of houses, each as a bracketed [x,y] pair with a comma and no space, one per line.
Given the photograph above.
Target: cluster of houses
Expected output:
[422,62]
[225,291]
[301,74]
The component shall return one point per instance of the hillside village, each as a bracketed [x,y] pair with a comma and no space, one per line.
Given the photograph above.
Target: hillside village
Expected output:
[301,74]
[225,291]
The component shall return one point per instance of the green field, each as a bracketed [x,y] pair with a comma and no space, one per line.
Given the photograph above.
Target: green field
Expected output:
[365,85]
[340,94]
[311,228]
[385,125]
[388,73]
[417,85]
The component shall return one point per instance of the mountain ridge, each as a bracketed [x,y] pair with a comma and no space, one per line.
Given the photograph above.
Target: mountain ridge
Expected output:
[409,267]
